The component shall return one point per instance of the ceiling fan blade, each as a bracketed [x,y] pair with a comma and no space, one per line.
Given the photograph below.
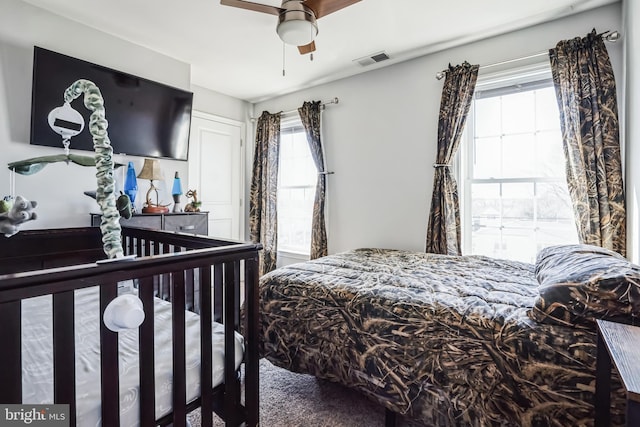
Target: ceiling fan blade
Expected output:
[256,7]
[324,7]
[307,48]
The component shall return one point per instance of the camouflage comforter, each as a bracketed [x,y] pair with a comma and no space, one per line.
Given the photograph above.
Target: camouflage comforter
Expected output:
[448,341]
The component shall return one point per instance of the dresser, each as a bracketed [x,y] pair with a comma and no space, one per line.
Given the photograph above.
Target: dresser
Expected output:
[183,222]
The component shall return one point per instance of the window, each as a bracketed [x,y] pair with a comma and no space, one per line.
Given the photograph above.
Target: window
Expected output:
[515,198]
[296,189]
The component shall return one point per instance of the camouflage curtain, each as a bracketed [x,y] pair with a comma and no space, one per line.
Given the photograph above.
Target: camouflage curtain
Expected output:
[310,115]
[263,220]
[586,92]
[443,231]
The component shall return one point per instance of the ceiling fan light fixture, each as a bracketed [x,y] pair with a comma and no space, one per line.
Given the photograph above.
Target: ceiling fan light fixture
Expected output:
[297,26]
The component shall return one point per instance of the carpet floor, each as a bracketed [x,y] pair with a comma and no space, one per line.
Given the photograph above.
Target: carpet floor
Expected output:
[295,400]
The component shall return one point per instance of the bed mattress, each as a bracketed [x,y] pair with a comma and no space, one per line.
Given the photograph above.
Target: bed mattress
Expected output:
[37,365]
[445,340]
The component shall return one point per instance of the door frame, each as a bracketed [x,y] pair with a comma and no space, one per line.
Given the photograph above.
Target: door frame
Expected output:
[208,116]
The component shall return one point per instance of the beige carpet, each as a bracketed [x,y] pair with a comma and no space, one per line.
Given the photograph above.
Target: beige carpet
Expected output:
[298,400]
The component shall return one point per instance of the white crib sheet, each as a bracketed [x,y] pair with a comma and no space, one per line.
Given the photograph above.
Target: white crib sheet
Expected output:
[37,363]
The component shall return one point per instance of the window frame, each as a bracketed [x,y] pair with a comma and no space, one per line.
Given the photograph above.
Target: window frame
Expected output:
[292,124]
[521,79]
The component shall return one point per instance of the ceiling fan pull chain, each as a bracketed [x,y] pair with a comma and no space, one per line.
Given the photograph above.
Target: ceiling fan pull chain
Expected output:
[283,63]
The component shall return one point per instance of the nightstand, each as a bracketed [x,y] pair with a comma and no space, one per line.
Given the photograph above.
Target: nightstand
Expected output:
[619,347]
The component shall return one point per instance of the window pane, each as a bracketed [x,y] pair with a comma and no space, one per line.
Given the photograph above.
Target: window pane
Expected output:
[296,164]
[547,115]
[486,206]
[550,155]
[296,193]
[487,241]
[518,156]
[295,208]
[488,158]
[519,244]
[556,224]
[518,112]
[517,205]
[487,117]
[553,201]
[556,233]
[517,186]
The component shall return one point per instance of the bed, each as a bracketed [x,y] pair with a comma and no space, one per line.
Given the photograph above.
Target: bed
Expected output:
[54,289]
[453,341]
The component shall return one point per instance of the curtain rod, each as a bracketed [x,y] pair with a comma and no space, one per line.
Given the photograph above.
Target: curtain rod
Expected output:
[323,104]
[610,36]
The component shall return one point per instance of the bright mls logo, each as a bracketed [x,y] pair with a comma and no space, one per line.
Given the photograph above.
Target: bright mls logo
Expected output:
[34,415]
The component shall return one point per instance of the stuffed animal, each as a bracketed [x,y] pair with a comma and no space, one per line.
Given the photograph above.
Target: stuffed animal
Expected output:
[20,212]
[195,205]
[5,204]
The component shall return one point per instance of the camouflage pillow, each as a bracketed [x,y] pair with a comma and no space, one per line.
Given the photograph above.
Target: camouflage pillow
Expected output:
[581,283]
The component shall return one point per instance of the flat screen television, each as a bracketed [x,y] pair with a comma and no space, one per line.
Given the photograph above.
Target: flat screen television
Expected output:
[145,118]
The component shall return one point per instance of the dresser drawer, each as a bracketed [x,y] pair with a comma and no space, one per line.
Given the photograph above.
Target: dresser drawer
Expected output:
[192,224]
[153,221]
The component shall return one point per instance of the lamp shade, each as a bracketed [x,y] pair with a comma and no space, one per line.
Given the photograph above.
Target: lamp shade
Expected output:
[297,25]
[151,170]
[297,32]
[177,187]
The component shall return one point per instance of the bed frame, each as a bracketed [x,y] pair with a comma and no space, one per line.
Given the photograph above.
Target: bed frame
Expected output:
[198,273]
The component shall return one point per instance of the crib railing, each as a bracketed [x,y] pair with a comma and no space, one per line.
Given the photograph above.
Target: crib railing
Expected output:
[193,272]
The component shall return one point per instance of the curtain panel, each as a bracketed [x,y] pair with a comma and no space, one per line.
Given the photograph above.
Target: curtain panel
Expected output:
[263,220]
[443,231]
[310,116]
[586,92]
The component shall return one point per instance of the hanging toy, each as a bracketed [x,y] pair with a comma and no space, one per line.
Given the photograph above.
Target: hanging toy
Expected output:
[5,204]
[14,210]
[21,211]
[66,122]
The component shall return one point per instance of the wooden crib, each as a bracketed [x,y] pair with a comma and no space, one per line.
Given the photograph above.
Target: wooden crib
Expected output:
[196,273]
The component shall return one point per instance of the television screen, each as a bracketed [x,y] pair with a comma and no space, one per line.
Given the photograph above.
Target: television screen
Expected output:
[145,118]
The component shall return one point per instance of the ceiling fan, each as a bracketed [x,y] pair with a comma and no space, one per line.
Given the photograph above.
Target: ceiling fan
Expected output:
[296,18]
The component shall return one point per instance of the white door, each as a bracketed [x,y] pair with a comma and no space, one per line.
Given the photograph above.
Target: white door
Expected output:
[215,171]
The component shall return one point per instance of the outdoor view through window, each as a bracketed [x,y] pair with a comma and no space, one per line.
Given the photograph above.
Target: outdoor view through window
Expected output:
[516,200]
[296,190]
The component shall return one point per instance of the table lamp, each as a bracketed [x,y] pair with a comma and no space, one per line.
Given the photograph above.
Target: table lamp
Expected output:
[151,171]
[176,191]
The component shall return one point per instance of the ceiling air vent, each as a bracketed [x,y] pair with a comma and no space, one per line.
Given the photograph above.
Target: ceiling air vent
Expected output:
[372,59]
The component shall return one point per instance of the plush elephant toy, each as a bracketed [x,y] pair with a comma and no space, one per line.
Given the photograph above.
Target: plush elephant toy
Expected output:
[21,211]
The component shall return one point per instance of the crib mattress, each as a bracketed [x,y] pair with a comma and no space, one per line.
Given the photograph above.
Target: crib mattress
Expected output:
[37,363]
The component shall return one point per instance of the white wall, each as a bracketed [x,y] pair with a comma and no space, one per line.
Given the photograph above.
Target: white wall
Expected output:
[631,13]
[220,105]
[59,188]
[380,140]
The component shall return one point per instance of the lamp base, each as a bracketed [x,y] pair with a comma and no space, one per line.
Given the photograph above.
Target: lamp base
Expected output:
[155,209]
[176,202]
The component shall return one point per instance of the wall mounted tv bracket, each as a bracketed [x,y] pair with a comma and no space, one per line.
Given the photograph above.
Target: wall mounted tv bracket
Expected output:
[66,122]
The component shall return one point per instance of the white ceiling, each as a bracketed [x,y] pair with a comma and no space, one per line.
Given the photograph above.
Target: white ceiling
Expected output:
[237,52]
